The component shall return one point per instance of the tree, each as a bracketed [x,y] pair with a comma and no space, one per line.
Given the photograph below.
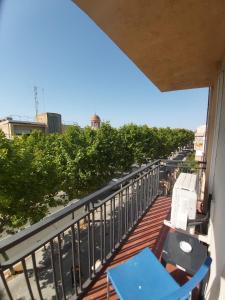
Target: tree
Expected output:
[33,169]
[31,182]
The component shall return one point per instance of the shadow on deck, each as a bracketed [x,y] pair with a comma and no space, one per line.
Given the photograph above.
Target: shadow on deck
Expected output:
[149,232]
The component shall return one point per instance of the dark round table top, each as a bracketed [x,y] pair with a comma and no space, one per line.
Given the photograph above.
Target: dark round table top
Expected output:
[189,262]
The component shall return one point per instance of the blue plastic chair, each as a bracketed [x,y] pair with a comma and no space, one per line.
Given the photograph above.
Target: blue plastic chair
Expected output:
[143,277]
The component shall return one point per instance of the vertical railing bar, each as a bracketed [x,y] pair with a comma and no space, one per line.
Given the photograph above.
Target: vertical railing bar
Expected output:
[136,201]
[139,190]
[89,247]
[73,258]
[156,192]
[135,196]
[127,209]
[104,229]
[144,199]
[146,191]
[113,233]
[61,266]
[36,275]
[6,285]
[119,217]
[110,226]
[128,206]
[27,279]
[141,196]
[93,240]
[121,214]
[78,254]
[158,180]
[153,184]
[54,269]
[101,233]
[132,199]
[149,187]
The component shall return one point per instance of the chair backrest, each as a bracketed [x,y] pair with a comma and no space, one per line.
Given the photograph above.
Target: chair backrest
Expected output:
[183,292]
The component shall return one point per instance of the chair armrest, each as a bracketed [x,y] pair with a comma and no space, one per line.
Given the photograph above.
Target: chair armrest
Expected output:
[183,292]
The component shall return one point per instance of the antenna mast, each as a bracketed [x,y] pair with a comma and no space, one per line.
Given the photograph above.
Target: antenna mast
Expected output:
[36,103]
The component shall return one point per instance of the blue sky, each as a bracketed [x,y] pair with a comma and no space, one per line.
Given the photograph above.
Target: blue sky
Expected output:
[55,46]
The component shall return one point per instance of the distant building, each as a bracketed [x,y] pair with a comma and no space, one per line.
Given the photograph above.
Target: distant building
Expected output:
[95,122]
[199,143]
[53,122]
[46,123]
[13,128]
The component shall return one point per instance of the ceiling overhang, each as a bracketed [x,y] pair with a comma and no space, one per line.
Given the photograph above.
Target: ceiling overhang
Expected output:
[177,44]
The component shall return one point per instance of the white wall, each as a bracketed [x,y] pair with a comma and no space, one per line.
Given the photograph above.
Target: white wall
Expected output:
[217,188]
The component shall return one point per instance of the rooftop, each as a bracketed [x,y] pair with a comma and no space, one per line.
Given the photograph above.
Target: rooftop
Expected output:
[22,122]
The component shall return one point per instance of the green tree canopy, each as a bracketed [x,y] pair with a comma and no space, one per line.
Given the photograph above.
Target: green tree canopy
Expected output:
[33,169]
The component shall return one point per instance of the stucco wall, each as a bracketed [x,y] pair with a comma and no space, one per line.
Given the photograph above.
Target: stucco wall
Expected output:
[217,188]
[6,128]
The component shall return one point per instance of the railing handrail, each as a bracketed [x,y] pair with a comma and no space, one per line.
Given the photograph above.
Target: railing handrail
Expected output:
[41,225]
[54,234]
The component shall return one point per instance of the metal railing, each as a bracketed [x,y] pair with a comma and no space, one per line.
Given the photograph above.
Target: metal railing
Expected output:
[170,170]
[59,256]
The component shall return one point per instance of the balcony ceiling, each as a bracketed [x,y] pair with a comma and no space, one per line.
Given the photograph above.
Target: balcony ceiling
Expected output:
[178,44]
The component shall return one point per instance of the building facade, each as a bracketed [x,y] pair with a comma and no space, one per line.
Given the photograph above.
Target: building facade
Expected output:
[53,122]
[12,128]
[200,143]
[45,122]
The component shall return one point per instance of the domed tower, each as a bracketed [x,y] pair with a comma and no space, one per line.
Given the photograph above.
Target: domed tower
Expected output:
[95,121]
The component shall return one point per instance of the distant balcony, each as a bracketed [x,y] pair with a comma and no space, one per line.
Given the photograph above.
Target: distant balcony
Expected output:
[65,255]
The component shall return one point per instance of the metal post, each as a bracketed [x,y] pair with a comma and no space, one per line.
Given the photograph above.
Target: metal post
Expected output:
[108,294]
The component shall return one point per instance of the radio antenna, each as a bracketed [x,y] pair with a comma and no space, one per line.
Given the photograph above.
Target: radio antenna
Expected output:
[36,103]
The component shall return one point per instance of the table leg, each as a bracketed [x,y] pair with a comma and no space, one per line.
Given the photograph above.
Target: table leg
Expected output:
[108,288]
[163,262]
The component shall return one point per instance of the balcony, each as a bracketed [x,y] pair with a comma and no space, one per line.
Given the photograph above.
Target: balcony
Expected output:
[65,255]
[149,232]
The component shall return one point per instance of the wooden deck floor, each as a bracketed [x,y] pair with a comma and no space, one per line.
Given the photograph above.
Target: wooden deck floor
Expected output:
[149,232]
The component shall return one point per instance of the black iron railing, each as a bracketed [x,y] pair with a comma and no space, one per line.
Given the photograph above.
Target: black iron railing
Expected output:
[58,257]
[170,170]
